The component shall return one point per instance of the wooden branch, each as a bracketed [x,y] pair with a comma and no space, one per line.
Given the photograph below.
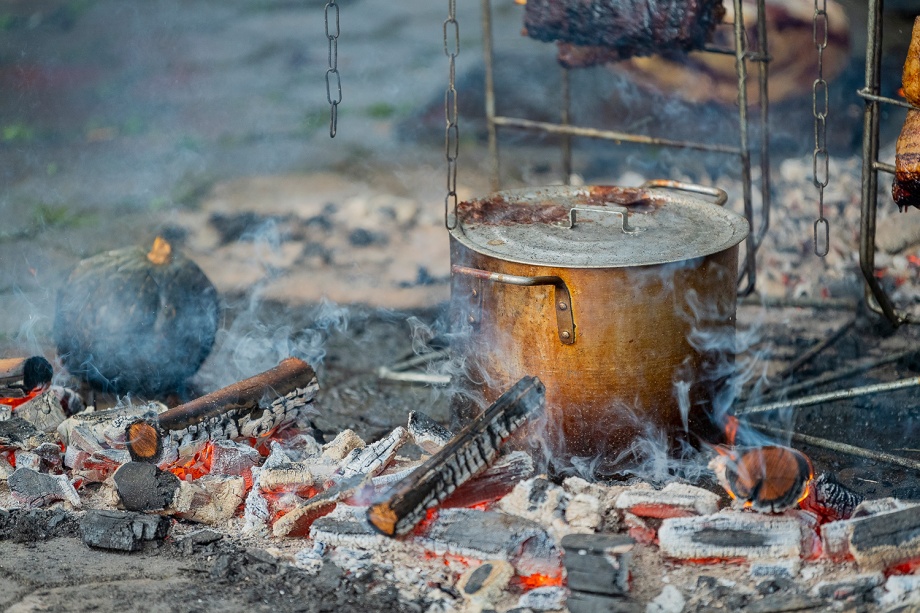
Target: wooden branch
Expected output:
[244,396]
[466,455]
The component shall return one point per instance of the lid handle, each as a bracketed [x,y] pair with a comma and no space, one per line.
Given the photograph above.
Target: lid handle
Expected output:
[622,211]
[717,193]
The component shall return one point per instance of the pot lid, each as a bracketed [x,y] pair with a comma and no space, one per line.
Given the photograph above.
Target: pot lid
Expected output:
[599,226]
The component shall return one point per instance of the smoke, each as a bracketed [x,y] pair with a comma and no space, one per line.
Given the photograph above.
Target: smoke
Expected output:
[256,339]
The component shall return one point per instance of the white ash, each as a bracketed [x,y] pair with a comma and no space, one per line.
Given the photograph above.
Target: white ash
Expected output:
[108,427]
[547,598]
[670,600]
[373,458]
[342,445]
[673,500]
[731,534]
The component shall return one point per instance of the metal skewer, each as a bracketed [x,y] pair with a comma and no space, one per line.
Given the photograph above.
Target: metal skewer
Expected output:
[841,447]
[841,374]
[854,392]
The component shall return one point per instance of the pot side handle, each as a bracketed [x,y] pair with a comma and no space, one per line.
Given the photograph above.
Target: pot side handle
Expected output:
[565,317]
[717,193]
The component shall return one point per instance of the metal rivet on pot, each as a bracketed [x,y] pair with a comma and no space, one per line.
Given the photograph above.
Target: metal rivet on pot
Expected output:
[563,306]
[471,318]
[475,293]
[565,334]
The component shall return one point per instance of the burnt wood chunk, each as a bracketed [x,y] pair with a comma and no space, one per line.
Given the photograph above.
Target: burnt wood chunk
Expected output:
[467,454]
[598,563]
[494,482]
[34,489]
[427,433]
[144,487]
[886,540]
[731,535]
[122,531]
[626,27]
[24,374]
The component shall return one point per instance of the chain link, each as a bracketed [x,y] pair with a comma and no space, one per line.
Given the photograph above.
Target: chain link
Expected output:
[819,108]
[451,116]
[333,79]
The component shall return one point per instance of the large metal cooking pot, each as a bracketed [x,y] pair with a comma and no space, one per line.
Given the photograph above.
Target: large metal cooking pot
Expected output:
[622,301]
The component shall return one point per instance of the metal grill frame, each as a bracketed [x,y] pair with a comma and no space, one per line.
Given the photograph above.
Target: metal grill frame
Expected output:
[877,298]
[748,275]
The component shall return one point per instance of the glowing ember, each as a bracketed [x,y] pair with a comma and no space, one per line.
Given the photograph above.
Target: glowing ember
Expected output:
[538,580]
[13,403]
[197,467]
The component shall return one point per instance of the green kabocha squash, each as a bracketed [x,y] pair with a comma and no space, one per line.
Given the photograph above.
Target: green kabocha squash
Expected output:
[130,321]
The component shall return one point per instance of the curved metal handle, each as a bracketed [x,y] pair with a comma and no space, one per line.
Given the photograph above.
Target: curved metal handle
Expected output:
[717,193]
[615,209]
[565,317]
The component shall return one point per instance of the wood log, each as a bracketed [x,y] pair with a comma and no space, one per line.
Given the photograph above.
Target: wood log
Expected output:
[469,453]
[24,374]
[254,407]
[251,395]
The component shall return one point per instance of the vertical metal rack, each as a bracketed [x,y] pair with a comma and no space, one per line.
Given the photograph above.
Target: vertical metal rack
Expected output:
[876,297]
[748,276]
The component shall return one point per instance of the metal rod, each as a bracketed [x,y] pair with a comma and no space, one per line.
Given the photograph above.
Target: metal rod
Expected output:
[864,93]
[860,452]
[798,303]
[889,168]
[554,128]
[412,377]
[763,72]
[754,57]
[854,392]
[750,267]
[843,374]
[488,56]
[566,138]
[422,358]
[869,204]
[816,349]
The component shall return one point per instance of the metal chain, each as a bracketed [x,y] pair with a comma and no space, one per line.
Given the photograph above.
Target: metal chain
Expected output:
[333,70]
[820,158]
[452,129]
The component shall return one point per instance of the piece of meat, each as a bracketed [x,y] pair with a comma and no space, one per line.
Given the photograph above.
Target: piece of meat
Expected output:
[906,188]
[626,28]
[910,80]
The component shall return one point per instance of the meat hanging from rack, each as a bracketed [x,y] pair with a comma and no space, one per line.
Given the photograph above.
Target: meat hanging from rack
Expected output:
[906,187]
[594,31]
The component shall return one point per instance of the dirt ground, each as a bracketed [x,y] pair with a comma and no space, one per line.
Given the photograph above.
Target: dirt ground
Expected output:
[206,121]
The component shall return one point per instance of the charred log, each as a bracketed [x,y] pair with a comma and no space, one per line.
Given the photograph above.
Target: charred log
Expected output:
[625,28]
[470,452]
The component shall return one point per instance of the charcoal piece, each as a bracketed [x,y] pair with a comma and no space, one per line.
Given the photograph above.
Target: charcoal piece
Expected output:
[584,602]
[627,27]
[123,531]
[731,535]
[483,535]
[780,603]
[494,482]
[830,499]
[202,537]
[17,433]
[346,527]
[298,521]
[373,458]
[34,489]
[598,563]
[882,541]
[144,487]
[44,411]
[849,587]
[427,433]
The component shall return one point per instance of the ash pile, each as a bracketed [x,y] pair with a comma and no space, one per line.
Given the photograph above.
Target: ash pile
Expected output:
[453,520]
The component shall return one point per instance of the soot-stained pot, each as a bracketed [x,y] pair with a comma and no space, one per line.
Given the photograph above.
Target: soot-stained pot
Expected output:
[622,301]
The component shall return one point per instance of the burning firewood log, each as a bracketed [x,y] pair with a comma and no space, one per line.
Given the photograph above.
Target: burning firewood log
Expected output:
[467,454]
[136,321]
[625,28]
[254,407]
[906,187]
[768,479]
[19,376]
